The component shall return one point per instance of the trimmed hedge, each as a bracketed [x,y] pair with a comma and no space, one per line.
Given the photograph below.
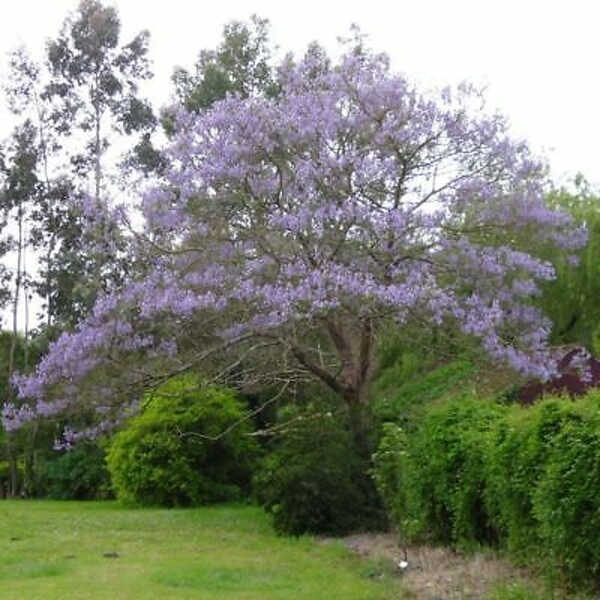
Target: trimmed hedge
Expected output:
[524,479]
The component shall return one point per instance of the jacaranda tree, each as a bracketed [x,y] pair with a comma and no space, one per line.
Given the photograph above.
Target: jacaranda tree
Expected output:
[292,229]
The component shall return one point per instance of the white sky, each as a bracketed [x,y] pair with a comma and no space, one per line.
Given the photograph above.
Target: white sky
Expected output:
[538,59]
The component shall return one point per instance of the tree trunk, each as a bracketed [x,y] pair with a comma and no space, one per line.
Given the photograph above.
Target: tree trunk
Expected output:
[12,460]
[13,345]
[29,473]
[13,348]
[97,147]
[51,241]
[359,418]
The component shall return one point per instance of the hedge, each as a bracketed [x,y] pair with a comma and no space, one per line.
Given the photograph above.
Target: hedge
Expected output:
[523,479]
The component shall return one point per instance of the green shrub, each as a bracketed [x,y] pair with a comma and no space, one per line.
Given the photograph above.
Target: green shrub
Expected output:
[544,477]
[524,478]
[401,394]
[390,473]
[566,501]
[79,474]
[446,494]
[518,458]
[165,455]
[313,479]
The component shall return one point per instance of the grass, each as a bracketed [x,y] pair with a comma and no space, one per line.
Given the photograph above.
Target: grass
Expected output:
[535,591]
[79,550]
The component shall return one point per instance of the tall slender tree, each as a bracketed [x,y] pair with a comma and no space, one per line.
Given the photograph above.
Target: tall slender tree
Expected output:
[94,86]
[241,64]
[18,194]
[85,103]
[24,96]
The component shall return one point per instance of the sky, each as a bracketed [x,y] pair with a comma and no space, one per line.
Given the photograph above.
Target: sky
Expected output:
[537,60]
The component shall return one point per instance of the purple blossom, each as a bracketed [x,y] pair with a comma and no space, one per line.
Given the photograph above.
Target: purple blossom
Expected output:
[350,197]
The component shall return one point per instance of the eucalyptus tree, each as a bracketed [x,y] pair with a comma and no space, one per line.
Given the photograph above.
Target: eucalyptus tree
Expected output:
[241,64]
[94,85]
[84,101]
[17,194]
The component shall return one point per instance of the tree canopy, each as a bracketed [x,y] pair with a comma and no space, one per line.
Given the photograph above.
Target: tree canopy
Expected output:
[292,229]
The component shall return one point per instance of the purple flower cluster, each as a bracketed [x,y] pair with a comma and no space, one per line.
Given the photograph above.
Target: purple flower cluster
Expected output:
[349,196]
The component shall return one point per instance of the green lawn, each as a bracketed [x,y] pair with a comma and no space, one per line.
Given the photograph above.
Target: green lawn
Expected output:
[72,550]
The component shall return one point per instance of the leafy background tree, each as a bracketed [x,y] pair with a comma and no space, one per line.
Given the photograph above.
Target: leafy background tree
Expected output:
[570,300]
[241,64]
[69,107]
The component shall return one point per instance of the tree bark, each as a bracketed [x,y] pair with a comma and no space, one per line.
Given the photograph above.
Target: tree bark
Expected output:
[359,419]
[13,347]
[15,308]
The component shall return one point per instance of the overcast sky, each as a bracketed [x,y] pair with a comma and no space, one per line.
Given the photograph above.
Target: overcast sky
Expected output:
[537,59]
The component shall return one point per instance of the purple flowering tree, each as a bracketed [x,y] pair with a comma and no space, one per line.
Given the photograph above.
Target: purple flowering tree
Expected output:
[291,231]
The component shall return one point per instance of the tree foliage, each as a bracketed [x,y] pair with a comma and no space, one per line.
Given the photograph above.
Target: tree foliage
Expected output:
[84,90]
[292,230]
[240,65]
[94,84]
[571,300]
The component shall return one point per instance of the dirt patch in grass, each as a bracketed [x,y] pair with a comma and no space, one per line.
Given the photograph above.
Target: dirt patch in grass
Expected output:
[439,573]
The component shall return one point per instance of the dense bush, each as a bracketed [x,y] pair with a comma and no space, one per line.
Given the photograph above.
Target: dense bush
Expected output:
[313,479]
[79,474]
[433,480]
[544,476]
[566,501]
[526,478]
[392,477]
[515,466]
[165,456]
